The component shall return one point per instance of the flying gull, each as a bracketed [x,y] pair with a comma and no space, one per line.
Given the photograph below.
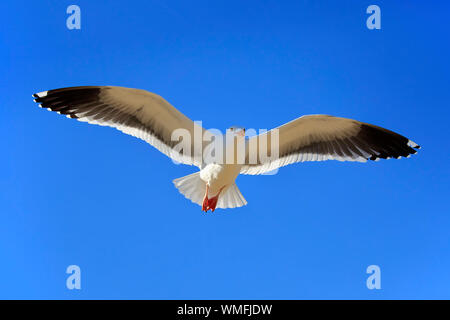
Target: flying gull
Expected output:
[149,117]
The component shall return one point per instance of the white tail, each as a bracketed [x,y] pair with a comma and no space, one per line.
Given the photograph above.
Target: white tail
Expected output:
[231,198]
[193,188]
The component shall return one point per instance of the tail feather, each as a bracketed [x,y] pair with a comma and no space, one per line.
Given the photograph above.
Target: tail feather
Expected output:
[193,188]
[231,198]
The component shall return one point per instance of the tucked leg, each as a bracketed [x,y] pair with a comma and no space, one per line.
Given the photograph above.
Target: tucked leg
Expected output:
[205,200]
[212,202]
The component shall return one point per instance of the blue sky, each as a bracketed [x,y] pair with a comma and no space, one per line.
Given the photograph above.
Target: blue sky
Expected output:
[73,193]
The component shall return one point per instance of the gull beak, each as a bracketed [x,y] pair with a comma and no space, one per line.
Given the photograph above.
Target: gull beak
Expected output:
[241,132]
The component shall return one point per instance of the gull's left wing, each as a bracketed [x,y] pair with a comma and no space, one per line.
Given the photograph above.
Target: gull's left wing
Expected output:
[139,113]
[323,137]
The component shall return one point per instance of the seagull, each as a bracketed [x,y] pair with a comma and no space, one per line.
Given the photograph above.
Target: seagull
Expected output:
[149,117]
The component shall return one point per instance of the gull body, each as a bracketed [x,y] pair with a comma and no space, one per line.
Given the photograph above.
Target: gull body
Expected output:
[218,179]
[219,176]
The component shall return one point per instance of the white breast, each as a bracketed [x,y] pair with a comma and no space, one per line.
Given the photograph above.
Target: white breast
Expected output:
[219,175]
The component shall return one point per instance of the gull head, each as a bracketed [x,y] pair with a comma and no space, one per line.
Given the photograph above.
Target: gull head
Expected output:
[238,131]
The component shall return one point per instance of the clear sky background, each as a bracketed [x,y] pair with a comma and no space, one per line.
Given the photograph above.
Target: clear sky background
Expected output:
[73,193]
